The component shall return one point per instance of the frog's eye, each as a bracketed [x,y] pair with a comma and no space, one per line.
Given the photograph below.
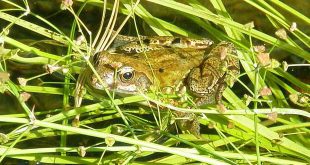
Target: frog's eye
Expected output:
[126,73]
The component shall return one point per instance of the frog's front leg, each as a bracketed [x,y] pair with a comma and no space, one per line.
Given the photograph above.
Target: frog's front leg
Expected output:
[220,68]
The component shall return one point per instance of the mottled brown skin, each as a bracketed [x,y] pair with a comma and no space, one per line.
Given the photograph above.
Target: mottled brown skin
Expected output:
[220,67]
[170,66]
[133,44]
[167,63]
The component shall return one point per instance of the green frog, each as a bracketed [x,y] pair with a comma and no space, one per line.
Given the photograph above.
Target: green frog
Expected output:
[168,62]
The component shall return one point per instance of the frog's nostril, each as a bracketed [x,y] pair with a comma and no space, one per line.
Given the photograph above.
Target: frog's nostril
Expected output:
[176,41]
[146,41]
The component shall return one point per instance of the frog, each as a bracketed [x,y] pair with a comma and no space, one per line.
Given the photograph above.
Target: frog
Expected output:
[137,73]
[203,68]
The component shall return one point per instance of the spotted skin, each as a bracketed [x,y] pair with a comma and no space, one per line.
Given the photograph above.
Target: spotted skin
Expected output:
[160,42]
[221,67]
[204,68]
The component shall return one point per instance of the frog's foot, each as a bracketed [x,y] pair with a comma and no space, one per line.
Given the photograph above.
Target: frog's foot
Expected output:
[188,123]
[219,92]
[212,98]
[203,83]
[208,99]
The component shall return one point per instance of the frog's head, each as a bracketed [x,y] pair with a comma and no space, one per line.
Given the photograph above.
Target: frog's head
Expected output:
[121,75]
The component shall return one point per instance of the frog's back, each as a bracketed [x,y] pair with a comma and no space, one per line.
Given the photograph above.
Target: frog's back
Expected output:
[172,65]
[163,67]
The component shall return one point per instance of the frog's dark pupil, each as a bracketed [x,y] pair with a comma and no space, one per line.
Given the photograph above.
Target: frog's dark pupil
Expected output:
[161,70]
[127,75]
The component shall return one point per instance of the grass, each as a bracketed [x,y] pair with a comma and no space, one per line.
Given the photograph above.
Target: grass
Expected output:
[256,129]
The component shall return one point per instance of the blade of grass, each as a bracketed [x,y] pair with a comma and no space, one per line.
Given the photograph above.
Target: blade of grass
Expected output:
[300,151]
[234,25]
[26,48]
[290,10]
[116,137]
[33,27]
[265,7]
